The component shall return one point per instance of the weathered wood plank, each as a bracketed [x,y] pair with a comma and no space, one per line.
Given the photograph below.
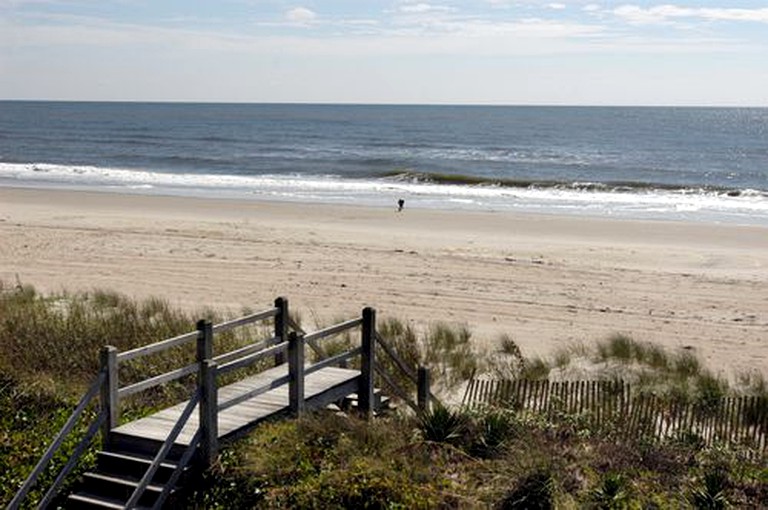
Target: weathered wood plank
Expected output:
[333,330]
[242,321]
[157,347]
[157,380]
[244,415]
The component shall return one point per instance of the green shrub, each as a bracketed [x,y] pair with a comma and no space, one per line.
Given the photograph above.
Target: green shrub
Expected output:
[534,492]
[363,484]
[712,491]
[443,425]
[495,427]
[613,492]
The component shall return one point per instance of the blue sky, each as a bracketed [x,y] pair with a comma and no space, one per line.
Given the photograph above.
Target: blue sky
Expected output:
[387,51]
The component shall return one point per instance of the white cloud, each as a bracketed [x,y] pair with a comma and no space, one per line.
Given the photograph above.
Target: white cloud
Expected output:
[662,14]
[300,16]
[422,8]
[557,6]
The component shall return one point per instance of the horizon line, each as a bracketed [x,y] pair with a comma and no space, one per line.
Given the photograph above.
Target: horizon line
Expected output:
[393,104]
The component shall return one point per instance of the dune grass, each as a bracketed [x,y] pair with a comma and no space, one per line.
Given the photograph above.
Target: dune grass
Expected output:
[336,461]
[448,458]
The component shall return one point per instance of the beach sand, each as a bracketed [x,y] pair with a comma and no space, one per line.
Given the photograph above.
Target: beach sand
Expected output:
[547,281]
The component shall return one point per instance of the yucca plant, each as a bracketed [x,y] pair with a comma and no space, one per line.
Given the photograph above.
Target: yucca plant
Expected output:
[712,494]
[442,425]
[613,492]
[495,428]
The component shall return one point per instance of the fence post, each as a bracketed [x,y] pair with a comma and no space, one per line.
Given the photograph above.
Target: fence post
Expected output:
[204,340]
[296,374]
[281,326]
[206,384]
[365,393]
[209,415]
[110,402]
[423,391]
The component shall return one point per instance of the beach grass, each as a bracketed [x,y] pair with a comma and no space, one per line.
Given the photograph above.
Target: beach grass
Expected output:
[448,458]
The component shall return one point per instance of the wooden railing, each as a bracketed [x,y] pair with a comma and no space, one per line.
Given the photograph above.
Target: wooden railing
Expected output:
[420,378]
[163,453]
[288,342]
[106,386]
[204,336]
[55,446]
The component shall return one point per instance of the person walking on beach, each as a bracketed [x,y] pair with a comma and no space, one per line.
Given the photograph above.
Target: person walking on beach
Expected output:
[400,205]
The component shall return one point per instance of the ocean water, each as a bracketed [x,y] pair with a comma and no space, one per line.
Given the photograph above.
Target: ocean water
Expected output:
[697,164]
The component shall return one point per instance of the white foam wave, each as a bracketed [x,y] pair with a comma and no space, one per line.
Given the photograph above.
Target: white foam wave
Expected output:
[747,206]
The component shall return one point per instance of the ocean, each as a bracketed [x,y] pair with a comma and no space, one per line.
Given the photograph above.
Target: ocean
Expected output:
[690,164]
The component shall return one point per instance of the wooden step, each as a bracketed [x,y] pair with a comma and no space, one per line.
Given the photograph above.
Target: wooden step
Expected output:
[116,490]
[117,486]
[132,466]
[142,447]
[87,501]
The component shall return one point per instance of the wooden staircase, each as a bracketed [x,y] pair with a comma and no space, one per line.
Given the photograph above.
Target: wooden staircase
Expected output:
[119,471]
[145,463]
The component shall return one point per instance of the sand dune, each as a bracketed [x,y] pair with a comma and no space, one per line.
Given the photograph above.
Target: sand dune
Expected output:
[545,280]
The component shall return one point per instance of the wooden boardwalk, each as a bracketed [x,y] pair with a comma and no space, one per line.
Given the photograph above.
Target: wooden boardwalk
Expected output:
[320,388]
[142,461]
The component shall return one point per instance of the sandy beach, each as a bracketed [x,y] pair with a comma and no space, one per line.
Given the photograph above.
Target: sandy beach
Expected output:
[546,280]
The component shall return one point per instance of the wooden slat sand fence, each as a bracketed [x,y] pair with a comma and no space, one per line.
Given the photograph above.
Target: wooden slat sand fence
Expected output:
[612,405]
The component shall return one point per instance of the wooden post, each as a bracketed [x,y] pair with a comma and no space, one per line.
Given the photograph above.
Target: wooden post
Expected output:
[281,326]
[204,340]
[209,412]
[423,391]
[206,384]
[365,392]
[110,402]
[296,374]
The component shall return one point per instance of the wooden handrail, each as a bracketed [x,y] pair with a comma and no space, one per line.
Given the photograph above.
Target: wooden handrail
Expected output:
[174,478]
[295,326]
[57,442]
[248,319]
[420,378]
[157,380]
[333,330]
[243,351]
[396,388]
[72,462]
[157,346]
[397,359]
[253,358]
[163,452]
[298,329]
[333,360]
[188,337]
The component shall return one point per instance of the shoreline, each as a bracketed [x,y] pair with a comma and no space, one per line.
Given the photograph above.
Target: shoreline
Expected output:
[546,280]
[698,204]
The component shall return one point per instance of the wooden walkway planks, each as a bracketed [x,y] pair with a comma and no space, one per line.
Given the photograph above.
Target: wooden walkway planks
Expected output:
[243,415]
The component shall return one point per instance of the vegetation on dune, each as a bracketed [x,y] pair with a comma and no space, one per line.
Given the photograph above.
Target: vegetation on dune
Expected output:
[447,458]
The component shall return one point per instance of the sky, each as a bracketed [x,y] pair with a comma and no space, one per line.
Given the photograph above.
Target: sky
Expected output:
[706,52]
